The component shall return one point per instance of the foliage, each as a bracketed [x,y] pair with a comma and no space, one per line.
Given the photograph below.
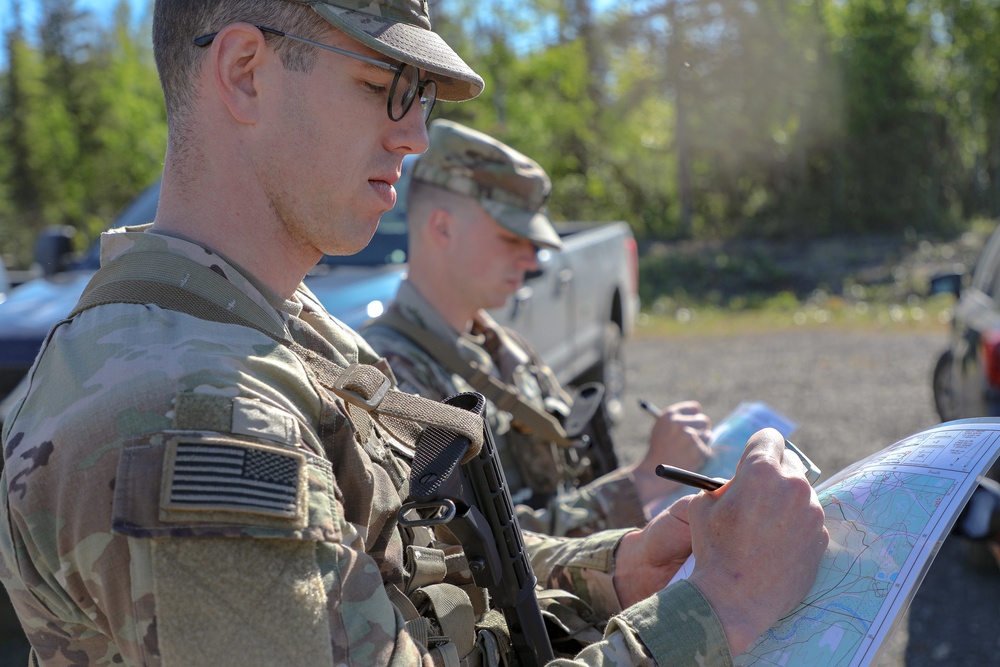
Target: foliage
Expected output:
[82,124]
[704,119]
[766,118]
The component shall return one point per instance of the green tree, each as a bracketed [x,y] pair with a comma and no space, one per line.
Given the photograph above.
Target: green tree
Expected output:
[967,33]
[890,147]
[81,123]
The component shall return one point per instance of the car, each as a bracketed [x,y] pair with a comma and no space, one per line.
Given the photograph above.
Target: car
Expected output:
[966,377]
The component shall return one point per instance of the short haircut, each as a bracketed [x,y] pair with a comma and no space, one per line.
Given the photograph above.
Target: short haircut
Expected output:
[176,24]
[423,197]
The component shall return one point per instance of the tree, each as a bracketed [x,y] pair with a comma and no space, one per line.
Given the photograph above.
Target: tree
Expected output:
[81,122]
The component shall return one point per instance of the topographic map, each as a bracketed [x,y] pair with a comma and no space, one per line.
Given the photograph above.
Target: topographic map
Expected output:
[887,517]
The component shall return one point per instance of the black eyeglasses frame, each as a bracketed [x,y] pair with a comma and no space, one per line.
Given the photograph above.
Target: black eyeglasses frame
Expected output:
[419,89]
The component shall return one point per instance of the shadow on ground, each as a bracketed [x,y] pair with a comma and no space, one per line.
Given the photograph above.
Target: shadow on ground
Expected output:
[941,630]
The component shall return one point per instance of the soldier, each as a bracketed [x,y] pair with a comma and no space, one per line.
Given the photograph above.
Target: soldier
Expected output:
[205,469]
[476,212]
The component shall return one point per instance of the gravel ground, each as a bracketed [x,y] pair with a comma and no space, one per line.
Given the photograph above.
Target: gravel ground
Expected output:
[853,394]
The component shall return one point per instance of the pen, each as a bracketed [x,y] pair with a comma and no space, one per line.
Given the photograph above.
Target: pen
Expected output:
[650,408]
[712,483]
[812,470]
[689,478]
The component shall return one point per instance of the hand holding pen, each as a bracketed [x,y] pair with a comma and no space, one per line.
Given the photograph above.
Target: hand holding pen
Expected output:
[679,437]
[766,525]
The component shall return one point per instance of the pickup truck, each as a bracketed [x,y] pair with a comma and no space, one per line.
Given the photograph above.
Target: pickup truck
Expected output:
[576,308]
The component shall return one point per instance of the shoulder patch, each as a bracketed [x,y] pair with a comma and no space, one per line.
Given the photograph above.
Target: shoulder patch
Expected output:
[205,476]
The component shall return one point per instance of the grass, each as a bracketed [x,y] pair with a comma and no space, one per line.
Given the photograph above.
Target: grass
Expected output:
[873,282]
[784,312]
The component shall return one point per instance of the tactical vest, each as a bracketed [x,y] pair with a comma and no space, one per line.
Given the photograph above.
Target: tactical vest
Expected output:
[546,456]
[436,595]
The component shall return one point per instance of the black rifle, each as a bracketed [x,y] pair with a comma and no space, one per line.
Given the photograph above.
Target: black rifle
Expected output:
[473,499]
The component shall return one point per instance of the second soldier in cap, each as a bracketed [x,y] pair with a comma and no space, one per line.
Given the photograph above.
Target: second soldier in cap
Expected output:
[476,211]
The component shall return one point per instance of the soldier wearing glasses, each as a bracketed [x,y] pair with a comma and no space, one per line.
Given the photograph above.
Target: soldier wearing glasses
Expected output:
[199,474]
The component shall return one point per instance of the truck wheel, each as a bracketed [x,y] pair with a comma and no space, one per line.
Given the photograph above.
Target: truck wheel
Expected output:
[610,371]
[944,396]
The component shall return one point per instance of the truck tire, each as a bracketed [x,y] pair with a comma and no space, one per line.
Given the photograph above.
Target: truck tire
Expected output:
[610,371]
[944,398]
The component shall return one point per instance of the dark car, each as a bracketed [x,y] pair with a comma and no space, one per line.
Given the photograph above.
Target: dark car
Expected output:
[966,377]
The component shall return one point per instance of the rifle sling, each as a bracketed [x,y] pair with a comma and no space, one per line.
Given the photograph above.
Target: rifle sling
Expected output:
[165,280]
[535,421]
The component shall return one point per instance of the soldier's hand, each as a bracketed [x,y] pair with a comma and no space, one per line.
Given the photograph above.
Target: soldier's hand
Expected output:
[647,559]
[757,541]
[679,438]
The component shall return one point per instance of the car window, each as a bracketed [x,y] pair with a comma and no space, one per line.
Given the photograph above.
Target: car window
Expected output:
[4,282]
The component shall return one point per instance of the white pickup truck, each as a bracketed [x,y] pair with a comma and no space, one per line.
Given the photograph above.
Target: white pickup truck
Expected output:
[575,308]
[580,305]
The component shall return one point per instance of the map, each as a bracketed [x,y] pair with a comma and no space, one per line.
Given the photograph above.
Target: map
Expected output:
[887,516]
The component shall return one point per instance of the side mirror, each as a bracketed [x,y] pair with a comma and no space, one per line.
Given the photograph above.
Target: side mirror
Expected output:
[54,249]
[947,283]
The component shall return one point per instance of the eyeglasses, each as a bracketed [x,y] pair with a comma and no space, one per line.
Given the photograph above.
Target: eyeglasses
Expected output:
[406,84]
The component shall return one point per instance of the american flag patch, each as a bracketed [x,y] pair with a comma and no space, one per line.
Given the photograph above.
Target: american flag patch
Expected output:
[234,477]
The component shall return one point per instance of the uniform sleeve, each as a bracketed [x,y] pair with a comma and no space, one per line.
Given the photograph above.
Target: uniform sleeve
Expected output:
[179,512]
[246,546]
[610,501]
[674,627]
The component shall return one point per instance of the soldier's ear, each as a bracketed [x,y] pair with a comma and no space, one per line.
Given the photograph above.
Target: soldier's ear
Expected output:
[440,226]
[237,58]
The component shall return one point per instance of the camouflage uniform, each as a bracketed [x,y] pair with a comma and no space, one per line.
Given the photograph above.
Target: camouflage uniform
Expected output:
[612,501]
[110,559]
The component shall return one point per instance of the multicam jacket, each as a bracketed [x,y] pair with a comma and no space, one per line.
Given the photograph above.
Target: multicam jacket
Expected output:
[178,491]
[612,501]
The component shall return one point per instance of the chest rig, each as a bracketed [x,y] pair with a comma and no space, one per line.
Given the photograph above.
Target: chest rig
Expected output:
[427,578]
[566,446]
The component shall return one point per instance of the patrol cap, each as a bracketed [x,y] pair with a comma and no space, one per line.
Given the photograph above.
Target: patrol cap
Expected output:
[401,29]
[509,185]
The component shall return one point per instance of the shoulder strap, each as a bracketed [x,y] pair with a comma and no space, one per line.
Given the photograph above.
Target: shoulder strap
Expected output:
[506,398]
[176,283]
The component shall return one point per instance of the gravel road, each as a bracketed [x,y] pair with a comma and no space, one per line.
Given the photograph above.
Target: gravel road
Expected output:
[852,394]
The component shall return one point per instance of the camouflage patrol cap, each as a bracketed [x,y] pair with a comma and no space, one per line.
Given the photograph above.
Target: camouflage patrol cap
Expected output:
[401,29]
[509,185]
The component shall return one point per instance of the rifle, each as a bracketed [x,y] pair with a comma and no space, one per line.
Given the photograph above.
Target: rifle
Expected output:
[473,499]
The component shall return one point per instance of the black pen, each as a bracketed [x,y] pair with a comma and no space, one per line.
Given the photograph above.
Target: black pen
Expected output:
[689,478]
[650,408]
